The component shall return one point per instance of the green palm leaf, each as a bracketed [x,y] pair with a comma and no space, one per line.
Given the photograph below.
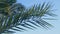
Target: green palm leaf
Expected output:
[18,15]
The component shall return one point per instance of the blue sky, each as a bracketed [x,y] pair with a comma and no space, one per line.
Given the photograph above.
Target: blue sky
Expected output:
[55,23]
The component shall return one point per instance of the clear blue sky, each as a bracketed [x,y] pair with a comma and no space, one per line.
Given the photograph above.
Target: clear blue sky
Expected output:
[56,23]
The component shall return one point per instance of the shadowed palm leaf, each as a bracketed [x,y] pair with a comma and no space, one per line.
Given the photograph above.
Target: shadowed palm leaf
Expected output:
[16,15]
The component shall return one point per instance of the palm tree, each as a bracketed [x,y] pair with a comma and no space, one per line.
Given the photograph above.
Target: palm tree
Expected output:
[15,16]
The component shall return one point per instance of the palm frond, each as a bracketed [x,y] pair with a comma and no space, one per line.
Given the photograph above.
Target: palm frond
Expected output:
[34,13]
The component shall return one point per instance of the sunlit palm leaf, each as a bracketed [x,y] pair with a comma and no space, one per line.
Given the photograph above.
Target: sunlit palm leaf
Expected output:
[19,16]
